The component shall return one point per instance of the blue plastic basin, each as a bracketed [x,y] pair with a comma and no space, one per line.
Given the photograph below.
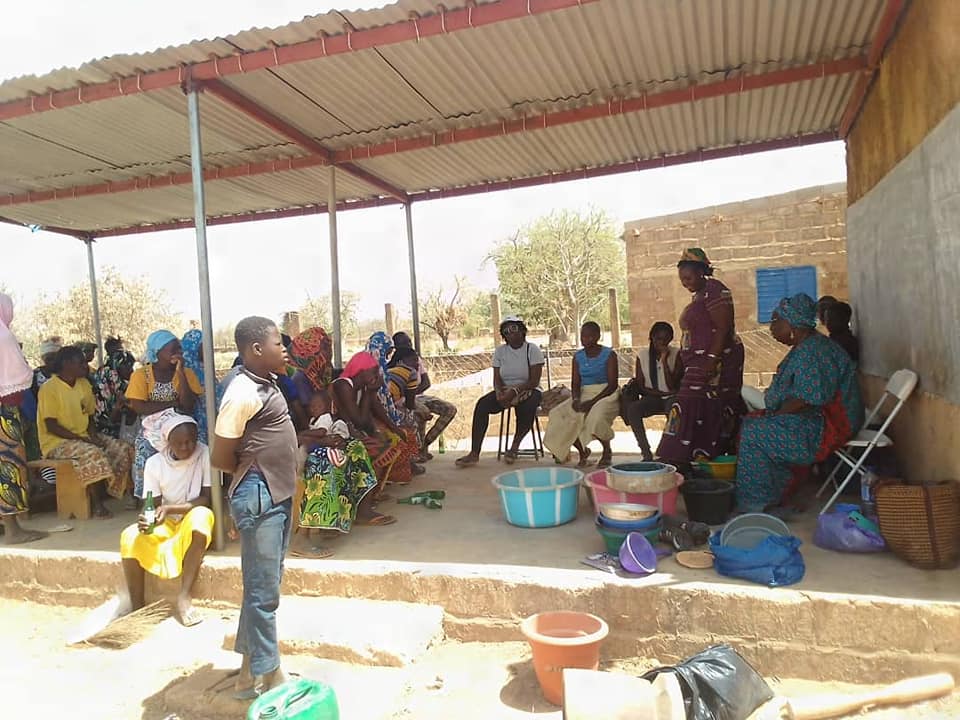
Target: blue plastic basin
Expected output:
[539,497]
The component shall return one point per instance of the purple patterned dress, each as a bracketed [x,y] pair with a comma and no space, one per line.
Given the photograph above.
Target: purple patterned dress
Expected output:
[705,415]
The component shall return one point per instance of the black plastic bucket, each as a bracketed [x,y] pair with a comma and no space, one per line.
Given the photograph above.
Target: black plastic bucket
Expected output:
[708,501]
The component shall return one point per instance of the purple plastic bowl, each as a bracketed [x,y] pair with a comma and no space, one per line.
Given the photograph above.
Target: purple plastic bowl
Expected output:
[637,555]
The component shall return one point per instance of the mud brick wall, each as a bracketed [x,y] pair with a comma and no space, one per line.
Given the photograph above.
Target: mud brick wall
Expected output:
[804,227]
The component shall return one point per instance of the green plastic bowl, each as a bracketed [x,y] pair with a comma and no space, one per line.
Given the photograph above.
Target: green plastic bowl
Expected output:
[613,539]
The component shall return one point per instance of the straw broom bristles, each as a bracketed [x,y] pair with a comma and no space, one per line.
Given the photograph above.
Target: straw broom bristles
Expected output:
[131,628]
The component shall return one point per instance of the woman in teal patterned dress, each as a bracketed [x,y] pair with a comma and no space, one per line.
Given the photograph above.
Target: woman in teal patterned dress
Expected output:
[813,407]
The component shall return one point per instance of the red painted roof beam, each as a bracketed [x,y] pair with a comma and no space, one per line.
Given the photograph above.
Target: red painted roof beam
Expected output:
[247,217]
[413,30]
[885,31]
[612,108]
[280,126]
[548,179]
[539,122]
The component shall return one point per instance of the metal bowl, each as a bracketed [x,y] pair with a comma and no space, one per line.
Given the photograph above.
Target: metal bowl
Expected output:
[627,511]
[641,477]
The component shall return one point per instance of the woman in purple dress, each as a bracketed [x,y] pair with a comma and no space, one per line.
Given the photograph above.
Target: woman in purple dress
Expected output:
[704,418]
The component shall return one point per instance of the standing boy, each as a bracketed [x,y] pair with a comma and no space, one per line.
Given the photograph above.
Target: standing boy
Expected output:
[256,442]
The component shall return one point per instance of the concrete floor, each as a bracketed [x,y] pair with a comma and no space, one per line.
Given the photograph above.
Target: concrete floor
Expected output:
[469,536]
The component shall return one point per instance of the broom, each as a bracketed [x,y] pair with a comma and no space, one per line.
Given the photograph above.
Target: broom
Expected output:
[113,625]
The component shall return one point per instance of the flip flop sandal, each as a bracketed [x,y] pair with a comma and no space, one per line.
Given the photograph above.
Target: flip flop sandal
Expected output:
[418,469]
[510,457]
[191,618]
[62,528]
[466,462]
[695,559]
[102,514]
[604,463]
[130,503]
[377,520]
[383,497]
[316,552]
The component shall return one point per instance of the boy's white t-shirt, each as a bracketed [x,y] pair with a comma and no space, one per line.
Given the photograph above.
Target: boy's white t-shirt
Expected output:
[177,480]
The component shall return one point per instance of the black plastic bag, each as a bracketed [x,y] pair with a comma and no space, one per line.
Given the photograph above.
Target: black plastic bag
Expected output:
[718,684]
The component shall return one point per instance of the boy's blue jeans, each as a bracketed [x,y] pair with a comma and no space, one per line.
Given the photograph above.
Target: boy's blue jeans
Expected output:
[264,528]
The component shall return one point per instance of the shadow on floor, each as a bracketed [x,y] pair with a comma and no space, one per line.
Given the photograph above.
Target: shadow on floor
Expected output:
[204,694]
[522,691]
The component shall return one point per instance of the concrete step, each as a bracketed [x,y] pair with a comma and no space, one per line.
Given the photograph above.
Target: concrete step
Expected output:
[355,630]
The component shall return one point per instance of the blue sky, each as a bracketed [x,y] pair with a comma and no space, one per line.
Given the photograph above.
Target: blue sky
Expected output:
[453,236]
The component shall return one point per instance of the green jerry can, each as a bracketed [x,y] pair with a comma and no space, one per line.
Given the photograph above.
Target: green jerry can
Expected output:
[296,700]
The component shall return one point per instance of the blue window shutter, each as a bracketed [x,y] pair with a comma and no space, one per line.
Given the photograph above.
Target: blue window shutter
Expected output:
[776,283]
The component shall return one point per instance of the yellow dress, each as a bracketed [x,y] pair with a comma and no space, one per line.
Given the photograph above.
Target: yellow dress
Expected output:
[161,552]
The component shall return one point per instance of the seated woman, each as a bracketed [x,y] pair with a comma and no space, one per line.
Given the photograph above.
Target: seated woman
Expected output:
[338,478]
[65,422]
[162,383]
[405,420]
[517,367]
[109,388]
[593,405]
[356,402]
[654,385]
[178,475]
[813,407]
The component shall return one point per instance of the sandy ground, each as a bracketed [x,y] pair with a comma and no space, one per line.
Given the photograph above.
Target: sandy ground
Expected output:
[184,673]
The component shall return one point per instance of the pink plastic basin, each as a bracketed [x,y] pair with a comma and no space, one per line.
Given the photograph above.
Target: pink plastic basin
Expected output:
[665,502]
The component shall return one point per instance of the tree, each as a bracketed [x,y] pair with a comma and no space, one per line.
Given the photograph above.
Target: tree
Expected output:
[557,271]
[443,312]
[316,312]
[129,307]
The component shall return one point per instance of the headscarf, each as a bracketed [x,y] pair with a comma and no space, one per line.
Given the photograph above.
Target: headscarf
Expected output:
[15,373]
[358,363]
[165,423]
[156,342]
[50,346]
[699,257]
[311,352]
[379,345]
[800,311]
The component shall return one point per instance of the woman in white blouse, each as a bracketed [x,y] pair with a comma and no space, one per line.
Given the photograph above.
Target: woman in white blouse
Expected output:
[656,379]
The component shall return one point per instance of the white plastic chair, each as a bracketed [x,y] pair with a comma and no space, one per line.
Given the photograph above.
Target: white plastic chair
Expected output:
[899,388]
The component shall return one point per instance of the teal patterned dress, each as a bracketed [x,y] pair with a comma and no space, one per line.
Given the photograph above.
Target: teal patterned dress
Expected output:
[819,372]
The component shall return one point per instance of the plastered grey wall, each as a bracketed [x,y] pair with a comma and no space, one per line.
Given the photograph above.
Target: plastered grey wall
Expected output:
[903,250]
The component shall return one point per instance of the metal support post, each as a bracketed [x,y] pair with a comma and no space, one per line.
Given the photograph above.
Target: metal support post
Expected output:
[334,270]
[95,300]
[414,300]
[206,316]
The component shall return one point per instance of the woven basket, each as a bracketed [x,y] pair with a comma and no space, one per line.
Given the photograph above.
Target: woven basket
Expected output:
[921,523]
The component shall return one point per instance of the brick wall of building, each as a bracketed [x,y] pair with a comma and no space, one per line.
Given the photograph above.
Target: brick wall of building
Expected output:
[804,227]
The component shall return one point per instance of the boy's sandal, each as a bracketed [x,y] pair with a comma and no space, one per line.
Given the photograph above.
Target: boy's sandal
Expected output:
[315,552]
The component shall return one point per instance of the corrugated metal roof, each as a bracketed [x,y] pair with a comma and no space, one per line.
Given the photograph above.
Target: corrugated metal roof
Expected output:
[543,63]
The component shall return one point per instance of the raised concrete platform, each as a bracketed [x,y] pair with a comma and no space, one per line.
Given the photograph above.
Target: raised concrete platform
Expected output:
[851,617]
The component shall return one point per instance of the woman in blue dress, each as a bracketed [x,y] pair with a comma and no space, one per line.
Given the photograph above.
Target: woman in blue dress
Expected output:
[813,407]
[594,403]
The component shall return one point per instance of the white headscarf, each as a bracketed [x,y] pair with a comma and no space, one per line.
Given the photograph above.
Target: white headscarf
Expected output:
[157,429]
[15,373]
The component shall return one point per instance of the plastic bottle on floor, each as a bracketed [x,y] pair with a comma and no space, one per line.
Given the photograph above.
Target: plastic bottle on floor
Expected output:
[868,493]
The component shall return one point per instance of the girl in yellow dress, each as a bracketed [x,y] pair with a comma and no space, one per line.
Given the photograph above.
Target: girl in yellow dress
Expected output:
[179,478]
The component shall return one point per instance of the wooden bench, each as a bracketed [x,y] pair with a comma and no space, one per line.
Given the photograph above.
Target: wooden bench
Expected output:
[73,496]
